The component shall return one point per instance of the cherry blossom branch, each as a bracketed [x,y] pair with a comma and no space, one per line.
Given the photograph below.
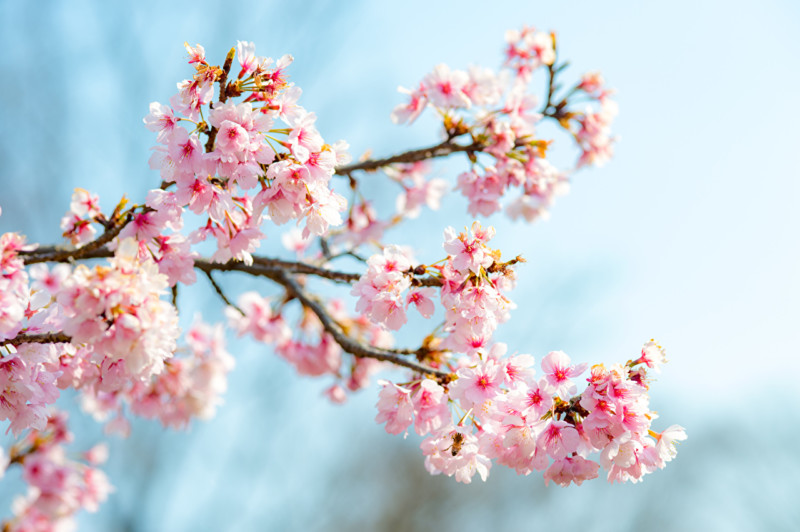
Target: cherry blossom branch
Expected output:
[44,338]
[94,249]
[443,149]
[221,294]
[223,95]
[348,344]
[262,266]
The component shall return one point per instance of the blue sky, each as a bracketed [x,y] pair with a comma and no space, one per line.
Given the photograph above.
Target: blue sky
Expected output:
[689,235]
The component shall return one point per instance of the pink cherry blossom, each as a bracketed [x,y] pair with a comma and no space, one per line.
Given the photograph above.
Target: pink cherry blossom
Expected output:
[394,407]
[559,439]
[571,469]
[558,371]
[478,384]
[421,298]
[430,407]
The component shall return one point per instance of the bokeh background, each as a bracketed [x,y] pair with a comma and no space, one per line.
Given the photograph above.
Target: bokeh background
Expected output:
[689,235]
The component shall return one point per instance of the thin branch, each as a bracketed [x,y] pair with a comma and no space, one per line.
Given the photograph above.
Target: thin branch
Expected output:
[442,149]
[223,95]
[221,294]
[272,270]
[348,344]
[44,338]
[267,267]
[94,249]
[262,266]
[551,89]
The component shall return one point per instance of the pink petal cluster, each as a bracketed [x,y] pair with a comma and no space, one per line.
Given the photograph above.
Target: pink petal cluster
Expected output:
[14,290]
[504,413]
[237,180]
[529,49]
[455,451]
[28,378]
[619,423]
[417,191]
[77,223]
[471,293]
[307,346]
[262,322]
[380,290]
[422,402]
[445,89]
[594,132]
[361,227]
[500,115]
[119,311]
[59,486]
[190,386]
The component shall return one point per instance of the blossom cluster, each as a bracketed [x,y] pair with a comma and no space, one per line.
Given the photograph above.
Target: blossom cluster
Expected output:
[497,409]
[119,311]
[14,293]
[189,386]
[500,117]
[240,177]
[58,486]
[308,347]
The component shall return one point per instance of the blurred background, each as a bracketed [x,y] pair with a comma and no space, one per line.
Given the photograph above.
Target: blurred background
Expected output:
[689,235]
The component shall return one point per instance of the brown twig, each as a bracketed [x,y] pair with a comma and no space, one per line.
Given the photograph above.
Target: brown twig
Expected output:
[94,249]
[348,344]
[221,294]
[443,149]
[267,267]
[44,338]
[223,95]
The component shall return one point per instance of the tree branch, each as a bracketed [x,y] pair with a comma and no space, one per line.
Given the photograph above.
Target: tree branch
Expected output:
[221,294]
[44,338]
[262,266]
[94,249]
[442,149]
[267,267]
[348,344]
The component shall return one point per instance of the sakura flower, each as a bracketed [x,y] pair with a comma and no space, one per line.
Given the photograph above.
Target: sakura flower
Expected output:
[161,120]
[49,280]
[558,372]
[665,446]
[420,193]
[477,385]
[78,230]
[293,241]
[468,250]
[197,54]
[394,407]
[421,298]
[430,407]
[408,112]
[84,203]
[571,469]
[259,319]
[336,394]
[454,451]
[246,54]
[304,138]
[653,355]
[119,311]
[445,87]
[559,439]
